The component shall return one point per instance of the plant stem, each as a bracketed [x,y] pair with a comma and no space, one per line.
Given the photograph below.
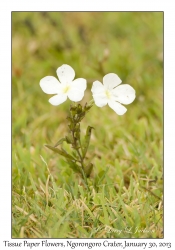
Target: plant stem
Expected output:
[81,158]
[77,113]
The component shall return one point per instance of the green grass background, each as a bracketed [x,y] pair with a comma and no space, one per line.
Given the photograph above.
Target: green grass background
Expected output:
[48,199]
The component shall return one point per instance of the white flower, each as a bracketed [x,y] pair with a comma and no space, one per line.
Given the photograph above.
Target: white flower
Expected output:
[74,90]
[112,94]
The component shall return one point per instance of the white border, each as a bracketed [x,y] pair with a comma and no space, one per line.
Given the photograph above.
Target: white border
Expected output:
[5,93]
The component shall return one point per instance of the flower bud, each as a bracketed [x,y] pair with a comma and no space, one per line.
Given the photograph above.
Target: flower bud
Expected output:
[88,169]
[79,109]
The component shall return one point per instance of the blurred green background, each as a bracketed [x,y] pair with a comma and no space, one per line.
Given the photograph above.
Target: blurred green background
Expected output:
[129,44]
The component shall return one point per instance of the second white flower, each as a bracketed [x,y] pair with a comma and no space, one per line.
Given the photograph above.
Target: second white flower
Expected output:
[110,93]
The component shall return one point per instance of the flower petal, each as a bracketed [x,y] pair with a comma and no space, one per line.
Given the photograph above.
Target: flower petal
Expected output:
[98,93]
[124,94]
[100,100]
[97,87]
[65,73]
[50,85]
[111,80]
[79,84]
[117,107]
[75,95]
[58,99]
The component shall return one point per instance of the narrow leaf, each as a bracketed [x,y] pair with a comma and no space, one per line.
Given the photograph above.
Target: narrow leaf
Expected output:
[61,152]
[59,142]
[87,140]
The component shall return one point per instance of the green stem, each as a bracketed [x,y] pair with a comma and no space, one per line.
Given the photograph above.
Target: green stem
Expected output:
[81,161]
[77,113]
[79,140]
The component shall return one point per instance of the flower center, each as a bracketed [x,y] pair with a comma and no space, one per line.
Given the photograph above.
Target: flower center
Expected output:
[66,89]
[108,94]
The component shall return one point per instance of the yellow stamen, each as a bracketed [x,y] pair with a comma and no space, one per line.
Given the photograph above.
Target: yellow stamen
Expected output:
[108,94]
[66,89]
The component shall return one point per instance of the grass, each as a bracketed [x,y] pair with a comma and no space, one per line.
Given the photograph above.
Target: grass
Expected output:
[126,186]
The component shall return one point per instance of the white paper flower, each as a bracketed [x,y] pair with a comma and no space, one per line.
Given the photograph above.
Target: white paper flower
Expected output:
[74,90]
[112,94]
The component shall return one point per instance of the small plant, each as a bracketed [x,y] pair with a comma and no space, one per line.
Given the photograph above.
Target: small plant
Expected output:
[77,160]
[107,93]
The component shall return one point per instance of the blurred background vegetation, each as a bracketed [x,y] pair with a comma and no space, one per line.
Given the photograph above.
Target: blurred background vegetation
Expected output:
[129,44]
